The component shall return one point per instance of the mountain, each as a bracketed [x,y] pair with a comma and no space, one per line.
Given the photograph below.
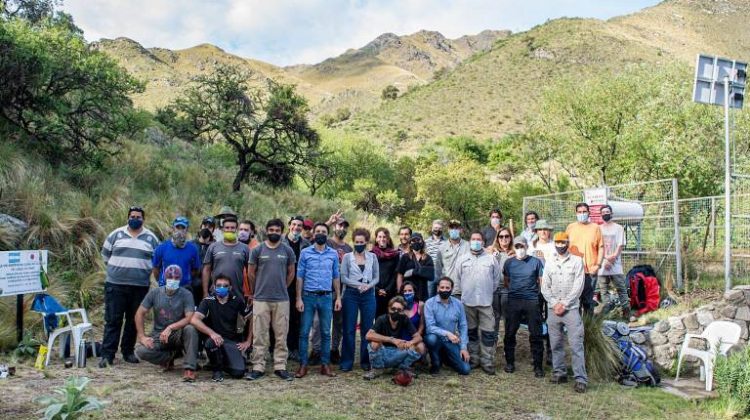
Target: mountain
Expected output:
[492,93]
[352,80]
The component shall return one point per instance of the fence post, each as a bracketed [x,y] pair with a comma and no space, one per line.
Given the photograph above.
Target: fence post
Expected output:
[677,242]
[713,222]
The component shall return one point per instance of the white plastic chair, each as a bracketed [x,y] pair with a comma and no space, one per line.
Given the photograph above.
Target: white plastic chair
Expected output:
[720,337]
[76,331]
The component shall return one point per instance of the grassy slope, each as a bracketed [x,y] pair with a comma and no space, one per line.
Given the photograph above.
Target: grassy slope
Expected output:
[492,93]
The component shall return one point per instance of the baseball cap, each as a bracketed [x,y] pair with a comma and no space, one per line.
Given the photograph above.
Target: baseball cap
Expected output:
[520,240]
[416,235]
[208,220]
[454,224]
[181,221]
[308,224]
[561,237]
[342,221]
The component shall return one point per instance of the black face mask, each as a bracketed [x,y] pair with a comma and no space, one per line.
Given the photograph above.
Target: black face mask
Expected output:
[274,237]
[607,217]
[437,233]
[205,233]
[321,238]
[417,246]
[444,294]
[561,250]
[341,234]
[396,316]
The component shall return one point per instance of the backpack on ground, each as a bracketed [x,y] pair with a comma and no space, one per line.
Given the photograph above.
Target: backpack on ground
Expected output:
[636,368]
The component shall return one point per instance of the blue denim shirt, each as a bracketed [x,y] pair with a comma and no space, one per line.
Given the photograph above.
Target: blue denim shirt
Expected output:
[318,269]
[441,319]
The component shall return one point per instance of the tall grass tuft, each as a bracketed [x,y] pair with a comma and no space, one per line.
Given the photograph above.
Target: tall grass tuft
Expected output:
[732,381]
[602,355]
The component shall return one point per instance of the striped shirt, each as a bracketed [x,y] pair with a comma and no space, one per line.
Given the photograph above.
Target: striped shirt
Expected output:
[128,259]
[431,246]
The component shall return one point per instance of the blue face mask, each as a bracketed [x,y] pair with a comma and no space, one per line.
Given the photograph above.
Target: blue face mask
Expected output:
[409,297]
[454,234]
[222,292]
[476,245]
[173,284]
[582,217]
[135,224]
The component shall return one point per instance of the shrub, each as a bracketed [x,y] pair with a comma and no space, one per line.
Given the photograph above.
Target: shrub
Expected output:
[69,401]
[732,381]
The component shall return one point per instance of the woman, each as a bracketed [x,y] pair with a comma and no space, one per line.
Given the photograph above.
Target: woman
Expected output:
[542,247]
[502,249]
[359,276]
[414,310]
[388,257]
[416,266]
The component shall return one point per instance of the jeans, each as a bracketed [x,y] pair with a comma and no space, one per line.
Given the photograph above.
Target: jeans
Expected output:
[587,296]
[528,309]
[185,339]
[390,357]
[354,304]
[440,346]
[120,301]
[322,305]
[570,320]
[227,357]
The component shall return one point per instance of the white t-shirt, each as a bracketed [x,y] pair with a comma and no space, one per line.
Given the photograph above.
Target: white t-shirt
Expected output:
[613,235]
[548,250]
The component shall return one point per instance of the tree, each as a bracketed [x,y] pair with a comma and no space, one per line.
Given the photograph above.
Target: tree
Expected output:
[318,172]
[390,92]
[268,131]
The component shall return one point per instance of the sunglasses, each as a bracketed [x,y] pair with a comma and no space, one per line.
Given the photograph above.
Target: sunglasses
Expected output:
[397,310]
[503,236]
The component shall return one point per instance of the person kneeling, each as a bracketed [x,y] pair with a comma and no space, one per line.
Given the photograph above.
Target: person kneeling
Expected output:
[216,317]
[384,343]
[172,308]
[447,331]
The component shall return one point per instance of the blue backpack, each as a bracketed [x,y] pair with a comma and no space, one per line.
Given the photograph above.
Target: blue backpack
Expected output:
[636,368]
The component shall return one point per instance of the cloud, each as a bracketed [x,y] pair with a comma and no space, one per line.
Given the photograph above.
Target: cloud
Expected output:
[286,32]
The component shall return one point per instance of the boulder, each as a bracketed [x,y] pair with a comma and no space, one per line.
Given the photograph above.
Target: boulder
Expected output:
[676,336]
[728,311]
[734,296]
[743,313]
[675,322]
[638,337]
[664,356]
[657,338]
[661,326]
[691,321]
[13,229]
[704,317]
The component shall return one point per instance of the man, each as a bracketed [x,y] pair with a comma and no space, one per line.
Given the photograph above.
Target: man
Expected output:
[227,257]
[611,272]
[562,285]
[177,251]
[529,231]
[446,329]
[432,244]
[340,229]
[295,240]
[246,234]
[173,308]
[586,242]
[317,275]
[271,271]
[479,274]
[490,232]
[522,276]
[226,212]
[404,239]
[127,254]
[385,345]
[448,256]
[307,229]
[217,318]
[204,239]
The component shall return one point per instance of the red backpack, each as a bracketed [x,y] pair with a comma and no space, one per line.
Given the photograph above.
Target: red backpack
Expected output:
[644,292]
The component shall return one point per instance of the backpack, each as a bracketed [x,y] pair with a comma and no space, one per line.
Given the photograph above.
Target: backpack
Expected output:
[644,292]
[636,368]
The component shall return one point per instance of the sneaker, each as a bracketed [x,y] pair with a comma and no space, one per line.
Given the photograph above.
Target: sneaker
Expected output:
[510,368]
[188,375]
[314,358]
[372,374]
[538,372]
[335,357]
[580,387]
[253,375]
[283,374]
[218,376]
[558,379]
[104,362]
[130,358]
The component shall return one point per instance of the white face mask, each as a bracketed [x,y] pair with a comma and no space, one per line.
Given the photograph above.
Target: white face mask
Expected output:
[520,253]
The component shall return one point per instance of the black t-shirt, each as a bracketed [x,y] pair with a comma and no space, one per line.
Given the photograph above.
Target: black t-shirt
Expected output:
[403,328]
[222,318]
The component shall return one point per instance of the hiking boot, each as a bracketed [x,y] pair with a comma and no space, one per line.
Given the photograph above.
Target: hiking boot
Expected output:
[104,362]
[510,368]
[558,379]
[188,375]
[301,372]
[253,375]
[372,374]
[488,370]
[335,357]
[580,387]
[326,370]
[130,358]
[314,358]
[218,376]
[283,374]
[538,372]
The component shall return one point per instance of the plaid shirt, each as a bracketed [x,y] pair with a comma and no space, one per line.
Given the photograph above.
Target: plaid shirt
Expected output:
[562,281]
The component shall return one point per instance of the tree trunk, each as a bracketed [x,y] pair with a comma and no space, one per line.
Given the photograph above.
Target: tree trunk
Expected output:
[241,176]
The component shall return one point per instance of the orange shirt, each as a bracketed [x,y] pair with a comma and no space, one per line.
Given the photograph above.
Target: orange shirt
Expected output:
[585,240]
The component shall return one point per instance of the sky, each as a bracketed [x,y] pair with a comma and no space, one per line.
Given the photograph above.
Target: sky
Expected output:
[285,32]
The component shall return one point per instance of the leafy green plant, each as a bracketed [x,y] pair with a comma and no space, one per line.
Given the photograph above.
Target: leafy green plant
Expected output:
[732,381]
[28,347]
[69,401]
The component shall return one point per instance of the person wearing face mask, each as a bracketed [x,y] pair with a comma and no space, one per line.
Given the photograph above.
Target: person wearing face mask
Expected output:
[337,242]
[225,212]
[178,251]
[228,257]
[529,231]
[172,308]
[562,284]
[271,271]
[295,240]
[502,250]
[246,234]
[433,242]
[385,343]
[127,254]
[586,242]
[317,281]
[447,334]
[388,258]
[448,255]
[522,275]
[359,276]
[416,266]
[611,272]
[414,310]
[496,223]
[479,274]
[217,317]
[205,237]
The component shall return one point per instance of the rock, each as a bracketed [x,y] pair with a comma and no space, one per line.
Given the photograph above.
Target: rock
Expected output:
[744,330]
[675,322]
[638,337]
[664,356]
[657,338]
[14,228]
[691,321]
[676,336]
[728,311]
[734,296]
[661,326]
[743,313]
[705,317]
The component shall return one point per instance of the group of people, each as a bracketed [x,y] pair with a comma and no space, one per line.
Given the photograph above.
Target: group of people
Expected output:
[236,297]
